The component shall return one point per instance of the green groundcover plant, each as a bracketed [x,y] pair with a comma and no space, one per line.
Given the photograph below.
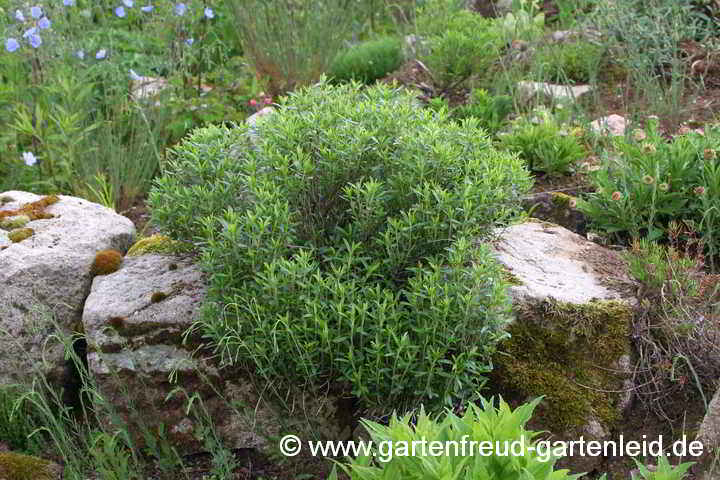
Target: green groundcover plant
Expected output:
[340,243]
[368,61]
[650,182]
[485,424]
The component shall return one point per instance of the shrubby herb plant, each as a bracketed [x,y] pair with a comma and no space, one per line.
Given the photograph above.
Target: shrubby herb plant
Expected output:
[344,247]
[462,43]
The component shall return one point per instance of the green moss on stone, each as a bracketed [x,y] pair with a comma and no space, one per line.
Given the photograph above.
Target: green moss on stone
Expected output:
[561,199]
[569,354]
[20,234]
[10,223]
[24,467]
[159,244]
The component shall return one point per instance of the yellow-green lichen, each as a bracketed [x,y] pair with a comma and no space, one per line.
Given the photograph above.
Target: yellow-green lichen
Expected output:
[160,244]
[33,210]
[561,199]
[20,234]
[569,354]
[11,223]
[24,467]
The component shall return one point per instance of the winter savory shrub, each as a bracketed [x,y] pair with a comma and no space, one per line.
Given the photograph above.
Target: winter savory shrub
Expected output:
[346,251]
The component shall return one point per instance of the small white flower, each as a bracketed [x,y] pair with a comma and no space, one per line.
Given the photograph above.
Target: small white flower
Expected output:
[80,54]
[29,159]
[102,53]
[19,16]
[134,75]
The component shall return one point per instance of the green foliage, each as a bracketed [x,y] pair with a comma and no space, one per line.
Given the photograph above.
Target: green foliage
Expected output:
[71,102]
[544,146]
[295,47]
[654,265]
[339,247]
[485,424]
[462,43]
[17,421]
[368,61]
[210,177]
[664,470]
[570,62]
[490,110]
[652,182]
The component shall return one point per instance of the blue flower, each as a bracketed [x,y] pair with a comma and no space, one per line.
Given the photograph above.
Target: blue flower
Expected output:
[134,75]
[69,3]
[30,31]
[147,8]
[209,12]
[19,16]
[29,159]
[36,12]
[102,53]
[180,9]
[190,41]
[35,40]
[80,54]
[120,12]
[129,3]
[44,23]
[11,45]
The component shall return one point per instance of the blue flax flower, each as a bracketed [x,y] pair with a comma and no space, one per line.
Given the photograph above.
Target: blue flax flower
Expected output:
[44,23]
[190,41]
[102,53]
[209,13]
[129,3]
[19,16]
[11,45]
[36,12]
[35,40]
[147,8]
[30,31]
[80,54]
[69,3]
[29,159]
[180,9]
[120,12]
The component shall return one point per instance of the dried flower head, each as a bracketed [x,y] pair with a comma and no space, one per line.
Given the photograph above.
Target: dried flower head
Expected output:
[616,196]
[648,180]
[649,148]
[639,135]
[709,154]
[699,190]
[664,187]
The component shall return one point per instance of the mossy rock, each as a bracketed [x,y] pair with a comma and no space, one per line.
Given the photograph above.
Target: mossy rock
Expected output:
[158,244]
[11,223]
[14,466]
[571,354]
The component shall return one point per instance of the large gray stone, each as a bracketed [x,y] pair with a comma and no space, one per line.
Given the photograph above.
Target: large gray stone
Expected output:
[135,321]
[45,279]
[549,92]
[709,435]
[570,340]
